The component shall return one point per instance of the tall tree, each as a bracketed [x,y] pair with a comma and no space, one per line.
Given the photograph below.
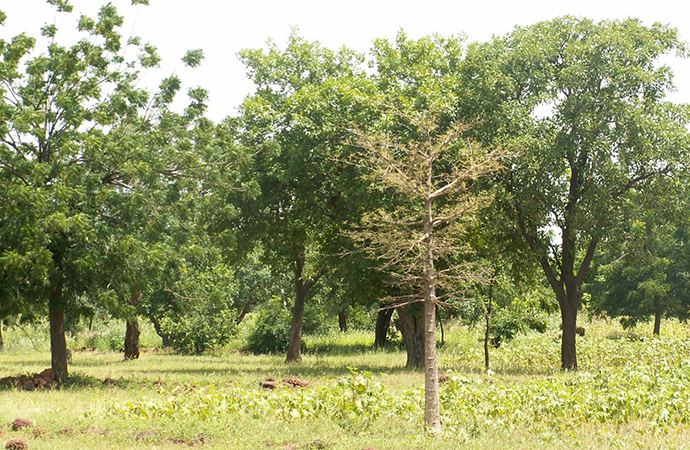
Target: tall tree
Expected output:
[584,104]
[56,107]
[294,120]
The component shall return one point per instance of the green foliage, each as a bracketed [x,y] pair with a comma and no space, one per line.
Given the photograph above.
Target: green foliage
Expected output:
[203,317]
[205,327]
[645,274]
[269,331]
[193,58]
[507,323]
[584,107]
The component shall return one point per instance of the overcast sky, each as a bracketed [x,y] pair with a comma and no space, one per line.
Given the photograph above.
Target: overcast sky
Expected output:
[222,28]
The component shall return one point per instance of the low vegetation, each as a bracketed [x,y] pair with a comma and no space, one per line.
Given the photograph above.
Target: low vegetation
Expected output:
[632,391]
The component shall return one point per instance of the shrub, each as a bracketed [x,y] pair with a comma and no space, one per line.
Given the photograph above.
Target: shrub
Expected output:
[270,330]
[205,324]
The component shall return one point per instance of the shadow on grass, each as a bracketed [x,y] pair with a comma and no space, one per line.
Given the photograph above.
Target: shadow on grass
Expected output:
[77,381]
[335,349]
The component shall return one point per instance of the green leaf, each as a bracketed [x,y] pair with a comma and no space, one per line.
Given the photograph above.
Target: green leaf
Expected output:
[61,5]
[49,30]
[193,58]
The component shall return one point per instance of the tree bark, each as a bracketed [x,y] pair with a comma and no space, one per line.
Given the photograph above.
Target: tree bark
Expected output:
[132,347]
[342,321]
[412,330]
[58,342]
[487,332]
[302,287]
[245,310]
[383,322]
[294,352]
[569,323]
[432,404]
[165,337]
[657,323]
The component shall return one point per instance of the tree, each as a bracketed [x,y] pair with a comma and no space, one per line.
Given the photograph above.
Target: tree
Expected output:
[431,169]
[294,120]
[506,299]
[56,108]
[583,103]
[644,275]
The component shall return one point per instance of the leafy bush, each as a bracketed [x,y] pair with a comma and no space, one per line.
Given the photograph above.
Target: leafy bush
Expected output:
[204,327]
[269,332]
[508,323]
[201,314]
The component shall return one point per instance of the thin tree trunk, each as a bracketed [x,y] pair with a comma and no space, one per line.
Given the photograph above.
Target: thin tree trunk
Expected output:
[132,346]
[489,309]
[440,324]
[657,323]
[165,337]
[342,321]
[412,330]
[302,287]
[58,342]
[245,310]
[383,322]
[432,405]
[2,342]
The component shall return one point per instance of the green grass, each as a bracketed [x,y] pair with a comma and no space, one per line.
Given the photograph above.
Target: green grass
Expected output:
[632,391]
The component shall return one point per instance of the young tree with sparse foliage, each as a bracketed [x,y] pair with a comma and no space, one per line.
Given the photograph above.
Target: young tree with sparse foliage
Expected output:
[430,168]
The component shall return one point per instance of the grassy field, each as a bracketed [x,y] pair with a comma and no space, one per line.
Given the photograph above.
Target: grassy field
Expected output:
[632,391]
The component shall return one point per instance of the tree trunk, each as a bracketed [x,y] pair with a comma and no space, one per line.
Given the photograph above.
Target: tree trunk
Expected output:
[489,309]
[294,352]
[383,322]
[58,342]
[342,321]
[302,287]
[432,405]
[245,310]
[165,337]
[569,323]
[657,323]
[133,330]
[2,342]
[412,330]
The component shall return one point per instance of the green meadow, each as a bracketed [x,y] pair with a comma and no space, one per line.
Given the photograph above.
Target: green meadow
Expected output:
[632,391]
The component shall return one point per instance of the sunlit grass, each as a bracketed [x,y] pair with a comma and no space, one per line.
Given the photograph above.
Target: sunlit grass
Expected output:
[168,401]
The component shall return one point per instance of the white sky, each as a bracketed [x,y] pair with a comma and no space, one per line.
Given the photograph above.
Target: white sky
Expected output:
[222,28]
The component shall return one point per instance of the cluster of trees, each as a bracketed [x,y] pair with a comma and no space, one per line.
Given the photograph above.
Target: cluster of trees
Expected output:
[431,172]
